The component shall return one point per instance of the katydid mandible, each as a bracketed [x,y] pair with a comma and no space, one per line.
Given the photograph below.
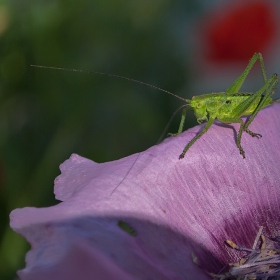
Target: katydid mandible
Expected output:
[226,107]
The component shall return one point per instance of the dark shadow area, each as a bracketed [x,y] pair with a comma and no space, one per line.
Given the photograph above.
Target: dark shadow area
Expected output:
[151,246]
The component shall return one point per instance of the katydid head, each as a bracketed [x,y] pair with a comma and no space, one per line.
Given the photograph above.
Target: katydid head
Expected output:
[199,108]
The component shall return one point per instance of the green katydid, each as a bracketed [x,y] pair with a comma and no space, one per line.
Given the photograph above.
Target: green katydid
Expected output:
[230,105]
[226,107]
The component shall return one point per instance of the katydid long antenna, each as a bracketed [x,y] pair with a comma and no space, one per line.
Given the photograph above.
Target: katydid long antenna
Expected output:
[129,79]
[111,75]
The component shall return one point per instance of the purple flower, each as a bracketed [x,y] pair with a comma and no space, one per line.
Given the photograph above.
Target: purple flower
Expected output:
[177,207]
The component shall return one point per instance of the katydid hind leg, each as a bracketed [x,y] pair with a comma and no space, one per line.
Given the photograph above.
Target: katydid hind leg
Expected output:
[243,106]
[239,110]
[239,138]
[234,88]
[253,134]
[239,135]
[204,130]
[269,88]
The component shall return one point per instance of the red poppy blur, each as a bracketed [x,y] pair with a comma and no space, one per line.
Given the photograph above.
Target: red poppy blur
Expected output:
[236,31]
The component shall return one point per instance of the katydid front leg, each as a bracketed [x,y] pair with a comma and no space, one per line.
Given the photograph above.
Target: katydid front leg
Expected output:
[182,122]
[204,130]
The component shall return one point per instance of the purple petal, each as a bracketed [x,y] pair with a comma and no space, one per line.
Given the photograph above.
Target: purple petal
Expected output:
[80,262]
[177,207]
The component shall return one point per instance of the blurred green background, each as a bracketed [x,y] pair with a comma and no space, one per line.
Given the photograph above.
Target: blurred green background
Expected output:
[46,115]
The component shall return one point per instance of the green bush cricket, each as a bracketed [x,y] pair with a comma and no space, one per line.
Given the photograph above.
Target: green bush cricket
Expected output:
[226,107]
[230,105]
